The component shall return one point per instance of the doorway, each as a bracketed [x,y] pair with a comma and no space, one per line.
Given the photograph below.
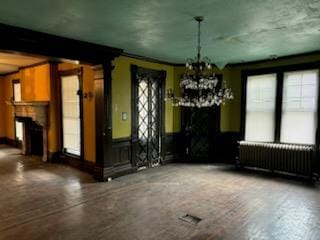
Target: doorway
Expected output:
[71,112]
[201,129]
[17,98]
[148,116]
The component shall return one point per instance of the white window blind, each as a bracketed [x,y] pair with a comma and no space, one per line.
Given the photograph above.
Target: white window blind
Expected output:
[299,107]
[71,114]
[260,108]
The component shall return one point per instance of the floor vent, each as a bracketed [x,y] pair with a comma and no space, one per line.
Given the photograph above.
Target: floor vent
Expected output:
[190,219]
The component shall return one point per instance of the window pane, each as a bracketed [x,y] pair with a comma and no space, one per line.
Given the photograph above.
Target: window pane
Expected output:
[260,109]
[299,107]
[17,92]
[19,131]
[71,114]
[143,106]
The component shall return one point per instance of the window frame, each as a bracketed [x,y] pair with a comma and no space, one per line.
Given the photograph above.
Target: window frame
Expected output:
[18,142]
[245,107]
[66,73]
[279,71]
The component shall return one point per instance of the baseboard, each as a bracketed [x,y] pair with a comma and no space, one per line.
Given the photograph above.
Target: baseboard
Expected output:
[170,159]
[8,141]
[104,173]
[53,157]
[83,165]
[2,140]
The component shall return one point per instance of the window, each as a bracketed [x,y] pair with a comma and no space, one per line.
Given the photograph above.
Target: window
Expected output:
[299,107]
[71,122]
[17,98]
[260,108]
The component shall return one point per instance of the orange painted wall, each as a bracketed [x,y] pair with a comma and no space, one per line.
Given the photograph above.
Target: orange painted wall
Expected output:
[35,86]
[2,109]
[88,109]
[35,83]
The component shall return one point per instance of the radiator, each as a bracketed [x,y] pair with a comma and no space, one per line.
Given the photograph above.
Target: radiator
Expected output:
[297,159]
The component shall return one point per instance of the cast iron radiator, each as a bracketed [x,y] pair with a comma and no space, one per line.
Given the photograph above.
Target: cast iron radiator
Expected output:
[297,159]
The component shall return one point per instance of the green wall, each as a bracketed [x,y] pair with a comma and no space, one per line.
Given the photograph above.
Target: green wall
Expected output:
[121,95]
[230,111]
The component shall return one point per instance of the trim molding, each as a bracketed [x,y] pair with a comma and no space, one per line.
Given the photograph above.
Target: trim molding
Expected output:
[38,43]
[53,157]
[239,64]
[83,165]
[2,140]
[9,141]
[123,139]
[7,74]
[104,173]
[313,53]
[173,147]
[79,73]
[160,76]
[153,60]
[17,39]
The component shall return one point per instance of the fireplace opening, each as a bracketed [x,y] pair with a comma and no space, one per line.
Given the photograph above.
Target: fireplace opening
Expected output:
[34,118]
[36,139]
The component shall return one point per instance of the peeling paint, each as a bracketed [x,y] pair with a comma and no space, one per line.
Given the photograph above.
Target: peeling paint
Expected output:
[232,32]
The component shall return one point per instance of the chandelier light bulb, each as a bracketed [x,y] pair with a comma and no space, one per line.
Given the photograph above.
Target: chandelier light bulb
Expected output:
[199,85]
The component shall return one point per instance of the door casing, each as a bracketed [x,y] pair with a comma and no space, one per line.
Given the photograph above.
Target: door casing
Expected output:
[149,73]
[79,73]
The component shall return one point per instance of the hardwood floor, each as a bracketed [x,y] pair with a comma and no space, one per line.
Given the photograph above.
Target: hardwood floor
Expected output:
[53,201]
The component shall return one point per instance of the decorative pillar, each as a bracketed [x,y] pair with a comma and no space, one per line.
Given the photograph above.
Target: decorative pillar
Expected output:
[103,107]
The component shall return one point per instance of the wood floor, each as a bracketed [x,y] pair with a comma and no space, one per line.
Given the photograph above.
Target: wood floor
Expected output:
[52,201]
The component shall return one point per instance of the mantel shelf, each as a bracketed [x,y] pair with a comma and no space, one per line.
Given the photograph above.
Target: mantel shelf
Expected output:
[28,103]
[36,110]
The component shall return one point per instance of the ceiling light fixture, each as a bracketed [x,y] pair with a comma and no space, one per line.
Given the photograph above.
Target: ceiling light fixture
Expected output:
[199,85]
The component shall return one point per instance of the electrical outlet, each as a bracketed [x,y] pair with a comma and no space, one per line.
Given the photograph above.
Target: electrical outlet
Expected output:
[124,116]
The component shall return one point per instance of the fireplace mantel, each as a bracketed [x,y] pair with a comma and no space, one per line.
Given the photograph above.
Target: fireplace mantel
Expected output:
[36,110]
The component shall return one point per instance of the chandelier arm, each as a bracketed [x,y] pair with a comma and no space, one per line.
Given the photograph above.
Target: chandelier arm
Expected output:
[200,86]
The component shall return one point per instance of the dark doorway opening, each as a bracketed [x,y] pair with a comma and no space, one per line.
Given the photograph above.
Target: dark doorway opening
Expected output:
[36,139]
[200,130]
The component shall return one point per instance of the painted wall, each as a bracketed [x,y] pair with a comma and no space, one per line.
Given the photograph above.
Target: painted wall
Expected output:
[35,86]
[121,95]
[2,109]
[88,110]
[231,110]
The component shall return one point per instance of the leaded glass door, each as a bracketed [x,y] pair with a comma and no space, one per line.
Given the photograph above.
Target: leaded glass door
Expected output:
[148,122]
[147,117]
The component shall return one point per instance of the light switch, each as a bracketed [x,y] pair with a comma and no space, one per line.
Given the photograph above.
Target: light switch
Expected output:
[124,116]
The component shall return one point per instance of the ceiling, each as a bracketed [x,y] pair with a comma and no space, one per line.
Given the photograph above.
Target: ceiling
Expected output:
[233,31]
[12,62]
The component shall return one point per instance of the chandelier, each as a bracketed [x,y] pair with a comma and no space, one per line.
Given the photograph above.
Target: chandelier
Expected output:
[199,85]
